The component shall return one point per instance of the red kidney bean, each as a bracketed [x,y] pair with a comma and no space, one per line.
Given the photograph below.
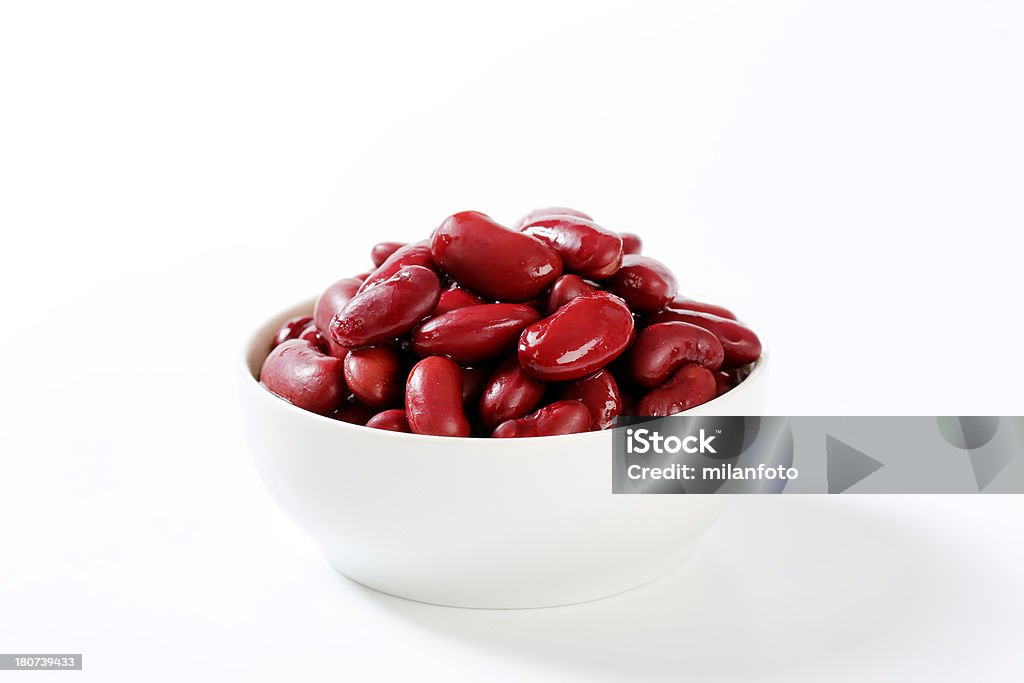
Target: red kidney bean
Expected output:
[303,376]
[510,393]
[456,297]
[645,283]
[291,329]
[600,394]
[353,412]
[382,251]
[565,289]
[690,386]
[417,254]
[313,336]
[375,375]
[492,260]
[473,333]
[740,343]
[725,380]
[474,379]
[328,305]
[388,309]
[561,417]
[662,348]
[433,398]
[581,337]
[684,304]
[631,243]
[549,211]
[585,247]
[391,420]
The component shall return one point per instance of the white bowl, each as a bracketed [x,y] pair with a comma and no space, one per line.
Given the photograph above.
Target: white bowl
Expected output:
[499,523]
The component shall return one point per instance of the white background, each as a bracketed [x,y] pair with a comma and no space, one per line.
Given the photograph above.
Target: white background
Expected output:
[846,176]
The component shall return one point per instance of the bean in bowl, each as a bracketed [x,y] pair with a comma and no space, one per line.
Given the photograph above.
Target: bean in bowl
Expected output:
[555,326]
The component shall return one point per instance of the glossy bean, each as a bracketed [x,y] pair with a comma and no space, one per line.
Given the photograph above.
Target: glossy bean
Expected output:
[388,309]
[631,243]
[645,283]
[740,343]
[375,375]
[586,248]
[510,393]
[549,211]
[456,297]
[662,348]
[473,333]
[433,398]
[313,336]
[492,260]
[580,338]
[390,420]
[417,254]
[291,329]
[565,289]
[327,305]
[561,417]
[689,387]
[600,394]
[382,251]
[683,304]
[725,381]
[297,372]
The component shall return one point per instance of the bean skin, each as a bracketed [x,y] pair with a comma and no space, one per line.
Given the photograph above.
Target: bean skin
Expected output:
[586,248]
[565,289]
[561,417]
[549,211]
[740,343]
[580,338]
[382,251]
[297,372]
[291,329]
[631,243]
[417,254]
[387,310]
[433,398]
[313,336]
[391,420]
[493,261]
[327,305]
[473,333]
[689,387]
[662,348]
[683,304]
[510,393]
[456,297]
[600,394]
[725,381]
[646,284]
[375,375]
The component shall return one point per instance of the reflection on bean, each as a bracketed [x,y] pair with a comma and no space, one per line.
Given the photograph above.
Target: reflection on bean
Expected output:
[297,372]
[689,387]
[433,398]
[561,417]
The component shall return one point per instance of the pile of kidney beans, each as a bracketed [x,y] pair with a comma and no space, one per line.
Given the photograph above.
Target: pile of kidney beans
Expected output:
[554,326]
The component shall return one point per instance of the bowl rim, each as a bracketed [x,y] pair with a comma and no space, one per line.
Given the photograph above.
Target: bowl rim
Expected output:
[253,383]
